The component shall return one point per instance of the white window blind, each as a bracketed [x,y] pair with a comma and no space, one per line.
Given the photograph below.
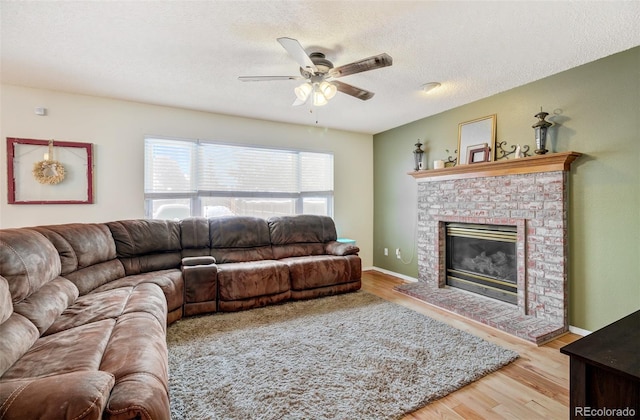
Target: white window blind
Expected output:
[236,168]
[199,170]
[168,166]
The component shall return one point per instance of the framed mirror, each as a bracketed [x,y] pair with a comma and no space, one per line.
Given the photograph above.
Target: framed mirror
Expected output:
[476,134]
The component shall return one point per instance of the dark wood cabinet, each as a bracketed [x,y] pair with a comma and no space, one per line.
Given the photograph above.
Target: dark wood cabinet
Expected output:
[605,371]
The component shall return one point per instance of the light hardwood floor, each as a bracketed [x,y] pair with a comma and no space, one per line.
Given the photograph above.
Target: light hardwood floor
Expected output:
[536,386]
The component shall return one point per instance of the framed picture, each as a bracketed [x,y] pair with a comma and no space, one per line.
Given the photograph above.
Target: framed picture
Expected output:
[478,154]
[49,172]
[474,134]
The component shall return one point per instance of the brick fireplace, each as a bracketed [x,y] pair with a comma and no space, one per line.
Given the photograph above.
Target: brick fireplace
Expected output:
[528,193]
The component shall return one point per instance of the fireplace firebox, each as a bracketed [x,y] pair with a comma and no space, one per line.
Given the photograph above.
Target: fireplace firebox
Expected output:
[482,259]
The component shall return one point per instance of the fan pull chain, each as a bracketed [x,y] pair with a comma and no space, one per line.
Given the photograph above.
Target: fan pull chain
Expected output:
[311,112]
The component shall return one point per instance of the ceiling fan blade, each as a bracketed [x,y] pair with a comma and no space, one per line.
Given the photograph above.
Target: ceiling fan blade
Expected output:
[371,63]
[298,53]
[356,92]
[266,78]
[299,102]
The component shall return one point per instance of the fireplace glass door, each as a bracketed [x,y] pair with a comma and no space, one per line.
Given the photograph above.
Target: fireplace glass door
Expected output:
[482,259]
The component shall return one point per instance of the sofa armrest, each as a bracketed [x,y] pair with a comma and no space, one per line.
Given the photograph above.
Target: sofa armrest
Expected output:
[341,248]
[200,285]
[82,394]
[202,260]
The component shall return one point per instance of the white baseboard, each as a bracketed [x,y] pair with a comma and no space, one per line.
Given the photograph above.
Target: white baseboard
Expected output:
[392,273]
[579,331]
[575,330]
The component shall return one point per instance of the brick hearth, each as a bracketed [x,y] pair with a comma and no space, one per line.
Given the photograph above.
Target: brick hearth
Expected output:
[532,197]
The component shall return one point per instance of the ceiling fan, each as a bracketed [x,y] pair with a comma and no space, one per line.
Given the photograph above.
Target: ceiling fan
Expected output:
[320,74]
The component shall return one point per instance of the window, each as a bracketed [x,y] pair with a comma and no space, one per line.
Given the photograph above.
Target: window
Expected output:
[185,178]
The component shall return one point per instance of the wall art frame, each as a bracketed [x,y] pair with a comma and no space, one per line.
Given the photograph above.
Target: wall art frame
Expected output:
[23,188]
[474,134]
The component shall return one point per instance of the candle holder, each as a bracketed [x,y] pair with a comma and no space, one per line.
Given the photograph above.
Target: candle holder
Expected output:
[417,156]
[540,128]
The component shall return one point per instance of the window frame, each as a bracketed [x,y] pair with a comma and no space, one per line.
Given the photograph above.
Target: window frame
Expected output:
[195,196]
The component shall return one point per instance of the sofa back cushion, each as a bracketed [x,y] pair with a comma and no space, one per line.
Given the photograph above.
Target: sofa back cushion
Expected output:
[6,305]
[29,272]
[87,252]
[18,336]
[9,328]
[80,244]
[46,304]
[27,260]
[239,238]
[305,234]
[194,237]
[147,245]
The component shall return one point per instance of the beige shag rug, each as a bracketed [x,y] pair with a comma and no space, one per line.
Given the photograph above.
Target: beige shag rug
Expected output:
[353,356]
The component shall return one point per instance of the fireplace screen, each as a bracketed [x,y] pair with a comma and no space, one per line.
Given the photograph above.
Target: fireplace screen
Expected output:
[482,259]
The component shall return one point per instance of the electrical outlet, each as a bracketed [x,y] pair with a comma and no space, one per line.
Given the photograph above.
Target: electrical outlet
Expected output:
[398,253]
[386,252]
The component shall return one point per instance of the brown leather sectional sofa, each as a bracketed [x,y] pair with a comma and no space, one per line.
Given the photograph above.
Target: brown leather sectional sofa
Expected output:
[84,307]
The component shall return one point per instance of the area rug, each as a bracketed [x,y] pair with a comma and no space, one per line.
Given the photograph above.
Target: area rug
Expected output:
[341,357]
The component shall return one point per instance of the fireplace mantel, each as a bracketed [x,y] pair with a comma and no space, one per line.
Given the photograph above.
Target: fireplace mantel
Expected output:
[528,165]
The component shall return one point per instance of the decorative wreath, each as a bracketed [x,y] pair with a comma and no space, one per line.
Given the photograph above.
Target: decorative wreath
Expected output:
[49,172]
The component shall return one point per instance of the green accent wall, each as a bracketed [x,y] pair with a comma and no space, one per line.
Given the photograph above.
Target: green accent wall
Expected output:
[596,111]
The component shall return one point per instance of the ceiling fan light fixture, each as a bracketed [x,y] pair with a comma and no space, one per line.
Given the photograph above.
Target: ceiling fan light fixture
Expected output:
[319,99]
[303,91]
[328,89]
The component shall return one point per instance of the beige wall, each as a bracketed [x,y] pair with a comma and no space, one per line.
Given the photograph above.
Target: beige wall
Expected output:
[596,108]
[117,129]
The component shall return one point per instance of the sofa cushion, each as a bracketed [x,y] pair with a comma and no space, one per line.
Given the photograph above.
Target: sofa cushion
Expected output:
[47,303]
[6,306]
[111,304]
[147,245]
[170,281]
[295,236]
[79,395]
[137,356]
[298,250]
[303,228]
[27,261]
[244,280]
[239,238]
[147,298]
[91,278]
[318,271]
[87,252]
[92,307]
[140,237]
[18,335]
[75,349]
[194,236]
[80,244]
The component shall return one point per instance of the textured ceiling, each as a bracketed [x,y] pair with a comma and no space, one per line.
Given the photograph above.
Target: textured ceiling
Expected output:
[189,54]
